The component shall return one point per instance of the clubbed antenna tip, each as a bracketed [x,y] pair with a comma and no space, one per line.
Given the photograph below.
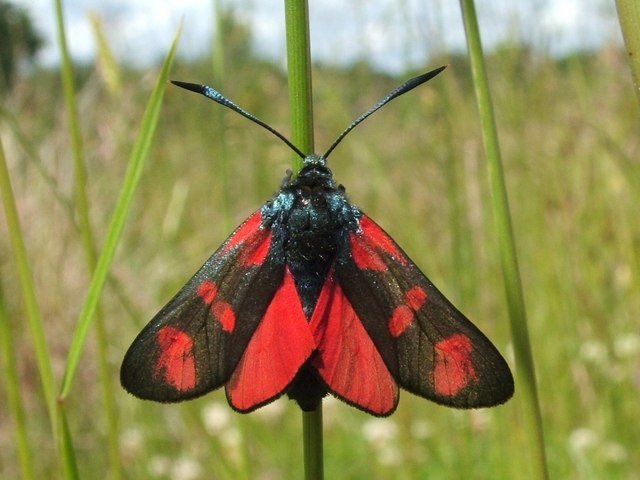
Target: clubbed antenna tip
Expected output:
[217,97]
[402,89]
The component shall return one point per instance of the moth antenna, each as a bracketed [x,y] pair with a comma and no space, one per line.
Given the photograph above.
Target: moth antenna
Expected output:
[217,97]
[404,88]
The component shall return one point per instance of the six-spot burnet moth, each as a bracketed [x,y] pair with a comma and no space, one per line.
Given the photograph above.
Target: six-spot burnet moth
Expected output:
[310,296]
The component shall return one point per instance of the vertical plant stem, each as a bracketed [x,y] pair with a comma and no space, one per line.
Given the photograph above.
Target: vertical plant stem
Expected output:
[312,444]
[14,398]
[82,203]
[525,371]
[67,451]
[88,241]
[33,313]
[299,70]
[300,101]
[629,17]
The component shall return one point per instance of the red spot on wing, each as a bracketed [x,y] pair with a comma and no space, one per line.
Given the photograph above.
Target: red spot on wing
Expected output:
[364,255]
[405,314]
[278,348]
[221,310]
[416,298]
[347,359]
[245,231]
[176,363]
[402,317]
[253,239]
[256,248]
[454,368]
[368,244]
[208,291]
[375,235]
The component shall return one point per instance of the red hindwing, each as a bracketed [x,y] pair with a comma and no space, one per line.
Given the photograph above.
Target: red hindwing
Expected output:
[278,348]
[347,360]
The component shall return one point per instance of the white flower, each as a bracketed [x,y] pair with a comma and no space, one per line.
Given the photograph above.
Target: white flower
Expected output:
[380,430]
[159,466]
[421,430]
[382,435]
[389,456]
[627,345]
[216,418]
[231,439]
[594,351]
[185,468]
[582,439]
[614,452]
[622,276]
[131,440]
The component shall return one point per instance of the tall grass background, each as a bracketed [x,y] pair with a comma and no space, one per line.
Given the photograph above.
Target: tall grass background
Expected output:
[568,128]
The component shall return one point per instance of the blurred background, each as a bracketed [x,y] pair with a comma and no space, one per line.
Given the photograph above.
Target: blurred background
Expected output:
[568,121]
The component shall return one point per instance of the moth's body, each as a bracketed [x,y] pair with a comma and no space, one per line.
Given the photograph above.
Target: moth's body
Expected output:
[310,213]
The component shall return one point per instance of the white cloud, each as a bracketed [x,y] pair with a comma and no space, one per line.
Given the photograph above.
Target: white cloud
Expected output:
[389,33]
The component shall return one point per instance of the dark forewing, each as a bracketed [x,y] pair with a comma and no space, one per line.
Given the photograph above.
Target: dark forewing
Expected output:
[430,348]
[195,342]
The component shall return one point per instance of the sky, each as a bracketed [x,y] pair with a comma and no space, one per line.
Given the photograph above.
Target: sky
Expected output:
[390,34]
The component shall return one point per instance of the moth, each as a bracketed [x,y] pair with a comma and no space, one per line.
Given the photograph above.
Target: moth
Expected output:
[309,296]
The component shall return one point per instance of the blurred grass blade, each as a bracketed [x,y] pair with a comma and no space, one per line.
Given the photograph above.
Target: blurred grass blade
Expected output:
[68,454]
[14,398]
[525,371]
[300,104]
[31,151]
[132,177]
[81,204]
[629,17]
[34,315]
[105,60]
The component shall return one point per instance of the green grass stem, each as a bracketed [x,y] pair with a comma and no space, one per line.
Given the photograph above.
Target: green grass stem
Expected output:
[629,17]
[88,241]
[66,72]
[123,204]
[313,444]
[301,106]
[525,371]
[299,70]
[29,296]
[66,441]
[14,396]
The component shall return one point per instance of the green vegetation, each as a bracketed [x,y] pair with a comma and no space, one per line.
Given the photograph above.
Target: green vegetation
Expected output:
[19,43]
[569,137]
